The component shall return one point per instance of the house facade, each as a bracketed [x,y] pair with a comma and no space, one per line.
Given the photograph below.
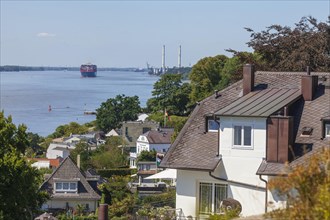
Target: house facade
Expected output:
[240,137]
[68,186]
[158,140]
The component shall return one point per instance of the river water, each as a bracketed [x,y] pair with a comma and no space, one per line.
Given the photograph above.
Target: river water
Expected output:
[26,96]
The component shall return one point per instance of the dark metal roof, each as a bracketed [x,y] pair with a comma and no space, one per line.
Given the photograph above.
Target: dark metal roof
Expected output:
[261,103]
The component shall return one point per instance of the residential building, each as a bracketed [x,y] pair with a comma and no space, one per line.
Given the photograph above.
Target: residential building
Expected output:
[158,140]
[69,186]
[131,130]
[237,139]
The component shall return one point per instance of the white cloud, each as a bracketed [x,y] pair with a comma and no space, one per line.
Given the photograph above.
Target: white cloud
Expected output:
[45,34]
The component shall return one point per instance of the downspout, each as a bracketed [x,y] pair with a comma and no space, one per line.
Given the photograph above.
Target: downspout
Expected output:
[266,196]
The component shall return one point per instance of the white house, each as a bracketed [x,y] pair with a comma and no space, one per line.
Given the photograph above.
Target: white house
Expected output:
[238,138]
[56,150]
[158,140]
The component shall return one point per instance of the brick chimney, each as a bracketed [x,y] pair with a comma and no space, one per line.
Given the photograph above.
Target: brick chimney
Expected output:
[103,212]
[308,85]
[248,78]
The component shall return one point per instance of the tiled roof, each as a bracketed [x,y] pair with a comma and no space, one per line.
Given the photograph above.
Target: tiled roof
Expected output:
[68,170]
[159,137]
[197,150]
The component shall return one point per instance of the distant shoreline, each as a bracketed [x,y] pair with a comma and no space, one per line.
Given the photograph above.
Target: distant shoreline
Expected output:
[15,68]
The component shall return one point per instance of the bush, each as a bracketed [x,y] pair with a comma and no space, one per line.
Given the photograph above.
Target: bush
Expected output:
[107,173]
[307,189]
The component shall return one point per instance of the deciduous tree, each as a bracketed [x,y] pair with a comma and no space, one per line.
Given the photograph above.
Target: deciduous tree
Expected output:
[284,48]
[116,110]
[19,182]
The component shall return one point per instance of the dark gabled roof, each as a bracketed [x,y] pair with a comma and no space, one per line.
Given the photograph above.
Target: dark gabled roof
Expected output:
[261,103]
[68,170]
[159,137]
[196,149]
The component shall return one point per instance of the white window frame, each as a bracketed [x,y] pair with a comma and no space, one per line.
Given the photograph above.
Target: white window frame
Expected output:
[327,129]
[213,199]
[62,190]
[242,145]
[213,121]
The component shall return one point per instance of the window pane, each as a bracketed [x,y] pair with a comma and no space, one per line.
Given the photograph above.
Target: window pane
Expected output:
[247,135]
[205,198]
[220,194]
[237,135]
[65,186]
[58,185]
[213,125]
[327,130]
[73,186]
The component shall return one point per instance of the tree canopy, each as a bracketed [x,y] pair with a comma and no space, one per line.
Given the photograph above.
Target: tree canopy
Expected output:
[171,94]
[19,182]
[292,49]
[116,110]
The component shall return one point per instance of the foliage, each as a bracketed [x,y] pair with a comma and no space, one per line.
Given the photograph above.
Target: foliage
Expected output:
[116,110]
[307,190]
[230,214]
[19,182]
[107,173]
[34,149]
[205,76]
[147,155]
[169,93]
[164,213]
[285,48]
[173,121]
[159,200]
[68,129]
[105,156]
[82,148]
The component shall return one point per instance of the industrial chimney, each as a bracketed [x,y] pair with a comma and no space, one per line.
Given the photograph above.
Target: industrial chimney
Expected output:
[179,57]
[163,59]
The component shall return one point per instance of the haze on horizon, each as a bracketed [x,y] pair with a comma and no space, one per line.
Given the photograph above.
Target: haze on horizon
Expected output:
[131,33]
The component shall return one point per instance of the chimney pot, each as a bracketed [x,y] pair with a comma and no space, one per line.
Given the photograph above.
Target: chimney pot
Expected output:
[248,78]
[308,70]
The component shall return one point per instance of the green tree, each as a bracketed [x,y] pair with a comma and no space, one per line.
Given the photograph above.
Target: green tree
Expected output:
[116,110]
[68,129]
[147,155]
[169,93]
[19,182]
[205,76]
[306,188]
[285,48]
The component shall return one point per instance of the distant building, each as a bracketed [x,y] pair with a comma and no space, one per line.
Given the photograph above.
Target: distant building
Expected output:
[159,140]
[131,130]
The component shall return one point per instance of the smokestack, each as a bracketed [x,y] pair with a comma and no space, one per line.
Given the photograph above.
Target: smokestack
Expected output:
[78,161]
[248,78]
[179,57]
[163,58]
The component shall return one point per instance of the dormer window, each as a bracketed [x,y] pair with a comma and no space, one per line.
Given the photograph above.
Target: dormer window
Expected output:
[66,187]
[327,129]
[306,132]
[242,135]
[213,125]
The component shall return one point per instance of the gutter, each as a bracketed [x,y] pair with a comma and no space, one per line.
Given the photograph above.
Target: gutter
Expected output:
[236,182]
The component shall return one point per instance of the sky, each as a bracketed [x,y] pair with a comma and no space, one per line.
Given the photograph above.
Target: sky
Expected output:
[132,33]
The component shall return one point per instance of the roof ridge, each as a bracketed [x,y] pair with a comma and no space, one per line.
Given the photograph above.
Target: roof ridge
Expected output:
[291,73]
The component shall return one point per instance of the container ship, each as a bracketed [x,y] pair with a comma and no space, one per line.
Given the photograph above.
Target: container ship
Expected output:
[88,70]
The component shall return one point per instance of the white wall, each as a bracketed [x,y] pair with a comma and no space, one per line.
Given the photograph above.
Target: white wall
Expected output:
[56,150]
